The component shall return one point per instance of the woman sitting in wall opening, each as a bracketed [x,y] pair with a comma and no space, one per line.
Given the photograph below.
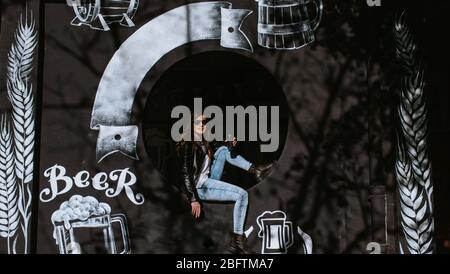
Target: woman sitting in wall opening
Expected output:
[202,170]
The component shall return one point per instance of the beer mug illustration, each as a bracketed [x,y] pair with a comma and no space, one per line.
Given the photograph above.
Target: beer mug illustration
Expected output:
[276,233]
[286,24]
[99,14]
[87,213]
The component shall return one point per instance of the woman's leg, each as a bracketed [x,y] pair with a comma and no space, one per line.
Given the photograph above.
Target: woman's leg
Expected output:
[214,190]
[223,155]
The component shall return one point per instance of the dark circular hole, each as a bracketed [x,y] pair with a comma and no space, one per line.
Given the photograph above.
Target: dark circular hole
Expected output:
[231,80]
[230,29]
[117,137]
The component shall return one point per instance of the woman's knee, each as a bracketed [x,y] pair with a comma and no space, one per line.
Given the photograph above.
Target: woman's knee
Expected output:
[243,195]
[221,152]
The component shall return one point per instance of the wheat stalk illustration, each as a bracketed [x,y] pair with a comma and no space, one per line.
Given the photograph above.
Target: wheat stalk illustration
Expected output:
[417,222]
[413,120]
[9,214]
[20,93]
[413,167]
[405,47]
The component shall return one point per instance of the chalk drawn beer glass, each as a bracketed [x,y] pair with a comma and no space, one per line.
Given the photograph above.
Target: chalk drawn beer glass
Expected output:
[276,233]
[286,24]
[67,242]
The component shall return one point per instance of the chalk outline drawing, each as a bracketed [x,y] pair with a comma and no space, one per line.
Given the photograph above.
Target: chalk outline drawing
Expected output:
[413,165]
[87,212]
[287,231]
[91,14]
[271,29]
[111,114]
[15,189]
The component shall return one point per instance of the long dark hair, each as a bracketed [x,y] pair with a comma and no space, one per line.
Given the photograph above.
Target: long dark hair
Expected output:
[196,144]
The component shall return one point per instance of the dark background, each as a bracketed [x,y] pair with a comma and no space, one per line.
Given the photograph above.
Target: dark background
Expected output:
[335,176]
[231,80]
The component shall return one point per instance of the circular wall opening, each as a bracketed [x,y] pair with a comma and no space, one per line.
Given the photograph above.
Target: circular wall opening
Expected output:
[222,79]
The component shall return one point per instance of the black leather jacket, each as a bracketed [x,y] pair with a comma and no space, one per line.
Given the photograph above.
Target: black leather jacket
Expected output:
[190,169]
[192,156]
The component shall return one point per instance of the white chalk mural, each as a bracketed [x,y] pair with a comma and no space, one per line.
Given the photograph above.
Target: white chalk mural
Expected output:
[413,165]
[99,14]
[87,213]
[277,233]
[141,51]
[285,24]
[9,210]
[17,144]
[373,248]
[61,183]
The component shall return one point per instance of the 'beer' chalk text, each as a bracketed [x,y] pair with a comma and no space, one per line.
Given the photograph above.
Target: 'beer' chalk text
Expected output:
[60,183]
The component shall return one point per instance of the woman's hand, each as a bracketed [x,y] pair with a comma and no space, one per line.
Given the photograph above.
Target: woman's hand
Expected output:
[196,209]
[234,142]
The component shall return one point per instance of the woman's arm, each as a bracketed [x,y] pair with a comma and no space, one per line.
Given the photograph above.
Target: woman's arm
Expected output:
[188,158]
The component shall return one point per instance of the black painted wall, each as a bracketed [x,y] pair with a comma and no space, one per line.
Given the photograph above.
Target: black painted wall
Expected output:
[335,174]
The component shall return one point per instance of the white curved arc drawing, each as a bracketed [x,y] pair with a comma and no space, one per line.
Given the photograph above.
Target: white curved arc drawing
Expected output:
[142,50]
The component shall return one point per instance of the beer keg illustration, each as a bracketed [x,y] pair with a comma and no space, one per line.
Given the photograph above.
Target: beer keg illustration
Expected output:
[286,24]
[99,14]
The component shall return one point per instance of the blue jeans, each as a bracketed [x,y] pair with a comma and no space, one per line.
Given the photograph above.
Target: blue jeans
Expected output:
[223,155]
[215,190]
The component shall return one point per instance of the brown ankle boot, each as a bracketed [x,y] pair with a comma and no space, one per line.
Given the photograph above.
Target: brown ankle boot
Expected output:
[238,244]
[261,171]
